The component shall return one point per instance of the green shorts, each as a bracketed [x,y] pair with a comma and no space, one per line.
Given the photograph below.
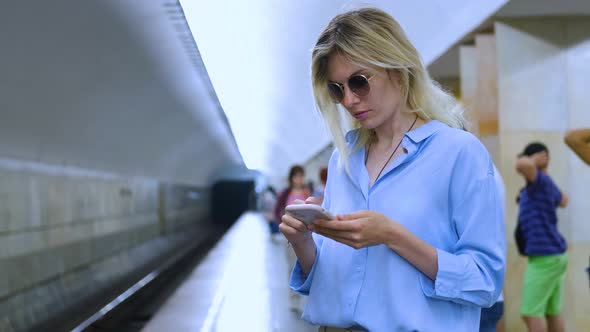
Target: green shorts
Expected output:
[543,286]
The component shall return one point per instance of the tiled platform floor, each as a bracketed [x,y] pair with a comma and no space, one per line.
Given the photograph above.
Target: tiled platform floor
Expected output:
[240,286]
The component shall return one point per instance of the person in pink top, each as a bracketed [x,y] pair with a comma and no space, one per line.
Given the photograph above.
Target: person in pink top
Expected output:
[296,190]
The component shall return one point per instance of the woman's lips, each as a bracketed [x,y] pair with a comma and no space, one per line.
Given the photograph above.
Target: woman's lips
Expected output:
[361,115]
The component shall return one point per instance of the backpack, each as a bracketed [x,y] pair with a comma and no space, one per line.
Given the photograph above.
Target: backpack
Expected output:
[519,239]
[518,235]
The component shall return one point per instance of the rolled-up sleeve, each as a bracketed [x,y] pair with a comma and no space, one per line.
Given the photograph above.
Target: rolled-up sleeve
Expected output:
[471,271]
[299,282]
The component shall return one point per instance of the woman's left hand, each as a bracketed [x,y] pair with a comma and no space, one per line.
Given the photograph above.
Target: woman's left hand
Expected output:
[358,229]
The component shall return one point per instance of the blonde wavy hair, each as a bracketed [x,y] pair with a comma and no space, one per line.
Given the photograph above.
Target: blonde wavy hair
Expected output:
[370,38]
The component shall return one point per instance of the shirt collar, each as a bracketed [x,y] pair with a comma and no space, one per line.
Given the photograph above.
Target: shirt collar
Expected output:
[425,131]
[416,135]
[351,136]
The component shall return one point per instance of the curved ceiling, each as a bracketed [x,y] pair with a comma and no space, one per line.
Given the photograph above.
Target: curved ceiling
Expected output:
[258,56]
[117,86]
[120,85]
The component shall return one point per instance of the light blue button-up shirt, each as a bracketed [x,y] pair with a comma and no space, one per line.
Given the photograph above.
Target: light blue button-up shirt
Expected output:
[443,191]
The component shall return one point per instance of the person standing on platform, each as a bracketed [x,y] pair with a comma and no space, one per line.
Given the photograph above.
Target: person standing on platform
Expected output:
[319,190]
[296,191]
[539,239]
[417,243]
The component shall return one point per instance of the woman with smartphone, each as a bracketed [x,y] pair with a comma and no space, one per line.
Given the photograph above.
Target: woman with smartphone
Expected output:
[417,242]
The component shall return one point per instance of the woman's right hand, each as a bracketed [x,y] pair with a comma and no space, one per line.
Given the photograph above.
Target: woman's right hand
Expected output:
[294,229]
[299,235]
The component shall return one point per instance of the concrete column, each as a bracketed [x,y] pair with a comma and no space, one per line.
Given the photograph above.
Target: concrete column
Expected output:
[468,73]
[479,92]
[486,101]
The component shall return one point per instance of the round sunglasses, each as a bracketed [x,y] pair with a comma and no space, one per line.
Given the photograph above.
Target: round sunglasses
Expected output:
[358,85]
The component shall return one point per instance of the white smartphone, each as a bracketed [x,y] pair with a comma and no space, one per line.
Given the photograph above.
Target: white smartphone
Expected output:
[308,212]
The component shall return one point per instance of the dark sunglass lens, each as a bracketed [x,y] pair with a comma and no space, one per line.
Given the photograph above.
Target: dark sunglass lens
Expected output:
[359,85]
[335,92]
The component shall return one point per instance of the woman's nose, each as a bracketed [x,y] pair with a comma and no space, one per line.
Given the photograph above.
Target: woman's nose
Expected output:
[349,98]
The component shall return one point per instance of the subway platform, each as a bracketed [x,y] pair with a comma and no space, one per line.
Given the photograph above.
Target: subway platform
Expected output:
[241,285]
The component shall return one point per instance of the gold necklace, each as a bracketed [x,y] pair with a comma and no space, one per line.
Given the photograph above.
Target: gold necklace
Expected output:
[391,155]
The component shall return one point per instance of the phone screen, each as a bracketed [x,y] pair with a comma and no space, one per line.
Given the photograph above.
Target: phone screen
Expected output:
[308,214]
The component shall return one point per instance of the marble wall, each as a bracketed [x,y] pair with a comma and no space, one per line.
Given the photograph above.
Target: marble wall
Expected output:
[66,235]
[543,71]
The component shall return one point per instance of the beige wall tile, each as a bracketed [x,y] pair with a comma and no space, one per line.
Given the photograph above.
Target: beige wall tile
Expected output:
[578,282]
[515,268]
[492,144]
[15,202]
[21,243]
[55,201]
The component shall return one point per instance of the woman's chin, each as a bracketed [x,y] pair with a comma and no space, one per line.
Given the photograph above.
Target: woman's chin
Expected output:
[367,124]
